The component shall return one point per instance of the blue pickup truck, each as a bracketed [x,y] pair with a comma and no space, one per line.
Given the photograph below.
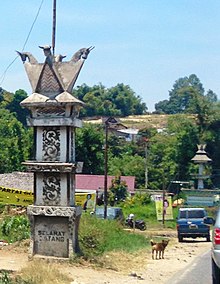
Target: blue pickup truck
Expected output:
[193,223]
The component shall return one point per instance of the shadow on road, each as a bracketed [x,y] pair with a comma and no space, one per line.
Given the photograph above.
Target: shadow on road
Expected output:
[194,241]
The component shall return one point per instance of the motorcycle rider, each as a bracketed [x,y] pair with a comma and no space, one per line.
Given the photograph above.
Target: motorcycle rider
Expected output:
[131,220]
[131,216]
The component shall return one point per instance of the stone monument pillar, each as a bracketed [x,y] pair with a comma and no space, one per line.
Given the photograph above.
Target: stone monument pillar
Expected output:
[201,159]
[54,110]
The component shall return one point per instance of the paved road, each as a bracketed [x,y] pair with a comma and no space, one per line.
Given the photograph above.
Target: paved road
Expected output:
[197,273]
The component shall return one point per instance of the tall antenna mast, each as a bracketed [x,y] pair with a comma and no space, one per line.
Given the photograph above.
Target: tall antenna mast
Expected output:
[54,27]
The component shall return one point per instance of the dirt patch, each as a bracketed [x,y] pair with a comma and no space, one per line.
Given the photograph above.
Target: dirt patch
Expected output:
[119,267]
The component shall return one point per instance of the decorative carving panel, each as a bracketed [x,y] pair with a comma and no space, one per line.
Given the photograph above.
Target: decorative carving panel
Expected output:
[48,82]
[51,144]
[51,189]
[48,112]
[54,211]
[50,167]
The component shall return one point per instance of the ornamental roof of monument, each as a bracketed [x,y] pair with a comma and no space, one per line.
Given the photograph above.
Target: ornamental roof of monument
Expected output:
[201,155]
[37,99]
[53,79]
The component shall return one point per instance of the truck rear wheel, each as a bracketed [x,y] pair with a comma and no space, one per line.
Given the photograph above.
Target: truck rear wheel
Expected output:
[208,238]
[180,238]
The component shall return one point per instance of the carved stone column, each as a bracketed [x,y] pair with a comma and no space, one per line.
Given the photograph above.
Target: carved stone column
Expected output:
[54,217]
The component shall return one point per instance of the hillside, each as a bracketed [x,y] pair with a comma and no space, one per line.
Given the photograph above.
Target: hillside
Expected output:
[146,121]
[157,121]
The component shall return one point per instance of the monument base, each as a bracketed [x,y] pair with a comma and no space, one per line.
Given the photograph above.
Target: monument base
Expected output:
[54,230]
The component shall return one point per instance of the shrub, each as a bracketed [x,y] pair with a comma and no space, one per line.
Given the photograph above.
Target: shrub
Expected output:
[5,278]
[142,198]
[141,206]
[15,228]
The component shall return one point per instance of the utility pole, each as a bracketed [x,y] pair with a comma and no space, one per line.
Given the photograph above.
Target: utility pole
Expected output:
[106,171]
[146,164]
[163,220]
[54,27]
[108,122]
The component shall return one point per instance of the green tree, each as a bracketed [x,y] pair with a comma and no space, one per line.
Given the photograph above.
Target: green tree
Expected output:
[125,100]
[15,107]
[203,108]
[186,135]
[117,146]
[120,100]
[128,165]
[118,189]
[182,96]
[89,148]
[171,151]
[14,143]
[211,96]
[212,139]
[162,166]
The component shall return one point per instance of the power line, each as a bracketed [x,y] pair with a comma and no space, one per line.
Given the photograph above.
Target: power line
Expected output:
[27,38]
[32,26]
[3,75]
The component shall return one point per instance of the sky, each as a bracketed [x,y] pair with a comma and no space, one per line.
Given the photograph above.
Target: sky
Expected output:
[146,44]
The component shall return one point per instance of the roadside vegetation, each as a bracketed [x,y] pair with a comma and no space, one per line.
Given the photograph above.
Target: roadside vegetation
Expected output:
[100,241]
[37,272]
[15,228]
[99,236]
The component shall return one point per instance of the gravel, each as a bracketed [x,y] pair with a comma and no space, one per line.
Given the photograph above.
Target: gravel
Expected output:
[17,180]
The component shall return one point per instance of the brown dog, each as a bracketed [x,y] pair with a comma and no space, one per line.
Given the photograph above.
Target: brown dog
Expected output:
[159,248]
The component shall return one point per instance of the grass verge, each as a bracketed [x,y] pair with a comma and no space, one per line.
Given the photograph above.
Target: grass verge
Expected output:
[36,272]
[98,236]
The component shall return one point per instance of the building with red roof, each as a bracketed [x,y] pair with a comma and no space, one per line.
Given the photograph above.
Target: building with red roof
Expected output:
[96,182]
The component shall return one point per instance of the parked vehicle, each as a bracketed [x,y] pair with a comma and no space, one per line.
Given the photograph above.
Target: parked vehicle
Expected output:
[215,250]
[193,223]
[112,213]
[139,224]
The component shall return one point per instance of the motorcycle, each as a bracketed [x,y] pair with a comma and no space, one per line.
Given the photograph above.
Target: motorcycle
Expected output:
[138,224]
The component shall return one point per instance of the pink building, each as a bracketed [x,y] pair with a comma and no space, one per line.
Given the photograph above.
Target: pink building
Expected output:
[96,182]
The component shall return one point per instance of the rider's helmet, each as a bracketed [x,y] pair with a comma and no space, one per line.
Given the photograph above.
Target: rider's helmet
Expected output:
[131,216]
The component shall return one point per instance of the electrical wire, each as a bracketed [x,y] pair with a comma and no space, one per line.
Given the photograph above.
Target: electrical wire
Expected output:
[27,38]
[32,26]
